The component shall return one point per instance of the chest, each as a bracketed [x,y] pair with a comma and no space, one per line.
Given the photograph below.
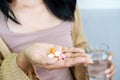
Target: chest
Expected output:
[33,22]
[59,35]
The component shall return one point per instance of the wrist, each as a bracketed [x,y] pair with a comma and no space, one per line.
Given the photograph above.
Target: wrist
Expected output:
[23,62]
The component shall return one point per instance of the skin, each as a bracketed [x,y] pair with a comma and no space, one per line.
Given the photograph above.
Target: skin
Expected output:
[34,16]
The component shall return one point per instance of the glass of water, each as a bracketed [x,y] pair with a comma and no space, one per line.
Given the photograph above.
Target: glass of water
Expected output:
[99,55]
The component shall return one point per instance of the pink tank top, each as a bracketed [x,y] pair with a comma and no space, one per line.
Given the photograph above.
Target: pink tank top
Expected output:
[60,35]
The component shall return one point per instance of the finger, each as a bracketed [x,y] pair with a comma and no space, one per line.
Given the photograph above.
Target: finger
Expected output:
[64,49]
[110,56]
[69,62]
[74,50]
[110,76]
[81,60]
[68,55]
[110,72]
[72,55]
[111,68]
[86,60]
[76,54]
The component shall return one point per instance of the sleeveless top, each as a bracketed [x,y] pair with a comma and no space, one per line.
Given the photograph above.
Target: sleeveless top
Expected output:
[60,35]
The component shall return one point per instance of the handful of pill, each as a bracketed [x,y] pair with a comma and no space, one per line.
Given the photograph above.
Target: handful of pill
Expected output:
[56,54]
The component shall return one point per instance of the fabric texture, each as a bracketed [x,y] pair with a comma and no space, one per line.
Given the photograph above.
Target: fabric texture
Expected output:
[9,69]
[80,41]
[17,74]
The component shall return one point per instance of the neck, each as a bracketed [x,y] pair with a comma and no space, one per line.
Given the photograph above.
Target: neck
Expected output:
[27,3]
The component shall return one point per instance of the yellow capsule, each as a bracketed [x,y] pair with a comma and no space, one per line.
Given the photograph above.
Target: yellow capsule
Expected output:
[52,50]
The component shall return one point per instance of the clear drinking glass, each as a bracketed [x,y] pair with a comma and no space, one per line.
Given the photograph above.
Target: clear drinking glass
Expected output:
[99,55]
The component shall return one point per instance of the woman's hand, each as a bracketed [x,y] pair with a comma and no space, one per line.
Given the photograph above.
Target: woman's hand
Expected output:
[111,70]
[78,55]
[37,55]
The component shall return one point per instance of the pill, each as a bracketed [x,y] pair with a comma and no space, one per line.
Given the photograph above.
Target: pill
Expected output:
[52,50]
[63,56]
[51,55]
[57,53]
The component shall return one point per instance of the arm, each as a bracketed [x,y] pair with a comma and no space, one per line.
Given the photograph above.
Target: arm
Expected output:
[77,31]
[23,63]
[80,72]
[9,65]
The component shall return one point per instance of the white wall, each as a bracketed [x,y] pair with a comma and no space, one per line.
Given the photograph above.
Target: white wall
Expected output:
[99,4]
[101,24]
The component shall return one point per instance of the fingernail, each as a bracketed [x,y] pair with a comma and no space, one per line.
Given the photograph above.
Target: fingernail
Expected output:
[91,61]
[108,76]
[107,71]
[82,50]
[110,58]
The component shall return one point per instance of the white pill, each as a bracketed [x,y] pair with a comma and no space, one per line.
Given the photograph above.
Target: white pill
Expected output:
[51,55]
[57,53]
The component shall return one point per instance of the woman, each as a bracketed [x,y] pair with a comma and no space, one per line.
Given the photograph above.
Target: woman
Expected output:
[31,27]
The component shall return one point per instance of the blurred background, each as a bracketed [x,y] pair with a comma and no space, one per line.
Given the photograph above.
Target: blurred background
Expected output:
[101,24]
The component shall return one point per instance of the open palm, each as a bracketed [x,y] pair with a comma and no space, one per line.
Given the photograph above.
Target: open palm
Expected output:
[37,55]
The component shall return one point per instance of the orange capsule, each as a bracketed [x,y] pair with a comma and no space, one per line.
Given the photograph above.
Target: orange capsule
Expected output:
[52,50]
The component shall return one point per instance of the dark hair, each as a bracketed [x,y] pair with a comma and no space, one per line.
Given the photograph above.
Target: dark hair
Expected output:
[63,9]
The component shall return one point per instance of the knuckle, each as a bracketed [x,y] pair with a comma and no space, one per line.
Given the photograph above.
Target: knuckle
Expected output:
[67,65]
[82,60]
